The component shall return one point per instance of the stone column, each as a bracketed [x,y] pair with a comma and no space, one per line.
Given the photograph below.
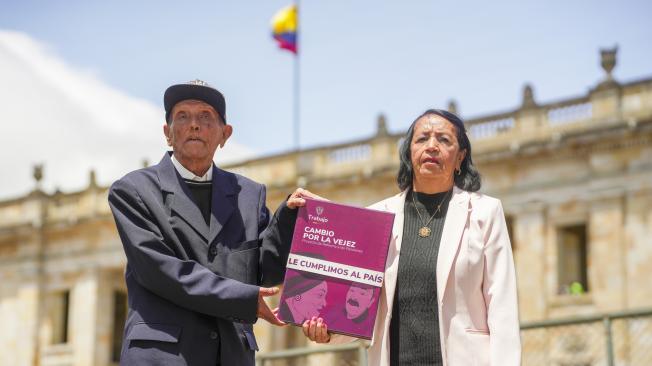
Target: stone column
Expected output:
[84,316]
[638,243]
[637,239]
[104,318]
[18,314]
[529,257]
[606,270]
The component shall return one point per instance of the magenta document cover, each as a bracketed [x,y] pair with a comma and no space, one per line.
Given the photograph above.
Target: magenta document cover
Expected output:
[336,267]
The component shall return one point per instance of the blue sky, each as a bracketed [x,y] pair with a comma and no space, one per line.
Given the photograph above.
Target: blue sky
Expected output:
[358,58]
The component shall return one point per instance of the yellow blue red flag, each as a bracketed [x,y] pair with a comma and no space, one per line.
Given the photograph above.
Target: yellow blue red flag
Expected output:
[285,28]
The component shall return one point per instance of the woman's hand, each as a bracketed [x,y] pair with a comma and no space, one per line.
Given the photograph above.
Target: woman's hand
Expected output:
[296,199]
[316,330]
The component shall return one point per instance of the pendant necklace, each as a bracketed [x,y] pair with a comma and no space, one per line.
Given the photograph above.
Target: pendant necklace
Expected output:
[425,230]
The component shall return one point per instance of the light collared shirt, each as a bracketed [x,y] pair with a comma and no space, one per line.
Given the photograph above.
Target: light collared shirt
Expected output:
[187,174]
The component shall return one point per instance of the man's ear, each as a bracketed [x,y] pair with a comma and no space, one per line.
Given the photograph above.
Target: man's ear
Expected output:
[166,132]
[227,131]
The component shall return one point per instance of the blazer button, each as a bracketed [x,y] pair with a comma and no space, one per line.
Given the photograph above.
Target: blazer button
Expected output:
[214,250]
[213,335]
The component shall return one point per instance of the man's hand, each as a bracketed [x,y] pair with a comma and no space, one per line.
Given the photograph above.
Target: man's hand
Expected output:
[264,312]
[297,198]
[316,330]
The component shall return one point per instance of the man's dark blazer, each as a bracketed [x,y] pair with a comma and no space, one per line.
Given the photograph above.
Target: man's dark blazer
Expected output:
[193,287]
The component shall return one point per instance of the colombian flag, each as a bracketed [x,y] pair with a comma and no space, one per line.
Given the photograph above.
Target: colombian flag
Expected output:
[285,28]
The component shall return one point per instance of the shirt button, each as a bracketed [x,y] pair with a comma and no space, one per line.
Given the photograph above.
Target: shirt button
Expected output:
[214,251]
[213,335]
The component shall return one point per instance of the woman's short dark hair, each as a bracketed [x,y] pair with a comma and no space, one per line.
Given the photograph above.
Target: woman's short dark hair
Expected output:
[469,177]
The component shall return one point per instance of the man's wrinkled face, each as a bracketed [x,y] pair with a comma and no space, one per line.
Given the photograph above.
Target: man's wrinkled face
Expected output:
[358,300]
[196,130]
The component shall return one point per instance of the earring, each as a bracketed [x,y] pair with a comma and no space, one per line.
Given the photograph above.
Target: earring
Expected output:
[458,171]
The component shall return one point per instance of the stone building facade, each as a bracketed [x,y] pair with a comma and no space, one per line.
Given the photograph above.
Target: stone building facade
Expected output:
[574,176]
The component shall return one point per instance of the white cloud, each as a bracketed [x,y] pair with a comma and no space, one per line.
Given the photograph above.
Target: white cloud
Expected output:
[72,122]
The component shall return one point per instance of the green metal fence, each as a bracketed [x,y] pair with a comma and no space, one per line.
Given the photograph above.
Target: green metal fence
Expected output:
[352,354]
[610,339]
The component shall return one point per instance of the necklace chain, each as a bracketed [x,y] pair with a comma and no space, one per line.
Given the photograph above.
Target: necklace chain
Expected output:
[425,230]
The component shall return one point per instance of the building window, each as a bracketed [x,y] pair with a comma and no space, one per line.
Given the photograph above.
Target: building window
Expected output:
[59,317]
[572,260]
[119,319]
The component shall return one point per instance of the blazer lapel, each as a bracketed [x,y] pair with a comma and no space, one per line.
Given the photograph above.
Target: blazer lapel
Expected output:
[222,204]
[456,218]
[396,205]
[180,200]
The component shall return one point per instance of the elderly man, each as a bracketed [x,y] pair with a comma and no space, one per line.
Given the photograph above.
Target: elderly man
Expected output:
[198,244]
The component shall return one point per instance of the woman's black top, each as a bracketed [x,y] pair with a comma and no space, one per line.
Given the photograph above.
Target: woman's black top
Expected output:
[414,329]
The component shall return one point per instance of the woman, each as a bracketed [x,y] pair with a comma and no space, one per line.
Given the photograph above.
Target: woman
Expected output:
[305,296]
[449,296]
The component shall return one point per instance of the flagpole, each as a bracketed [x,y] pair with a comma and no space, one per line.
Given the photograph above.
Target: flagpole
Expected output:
[297,80]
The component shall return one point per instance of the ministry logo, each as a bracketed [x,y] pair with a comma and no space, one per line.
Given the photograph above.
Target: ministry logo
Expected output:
[319,218]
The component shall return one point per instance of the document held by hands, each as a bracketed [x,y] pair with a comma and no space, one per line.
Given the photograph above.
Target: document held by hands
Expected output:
[336,267]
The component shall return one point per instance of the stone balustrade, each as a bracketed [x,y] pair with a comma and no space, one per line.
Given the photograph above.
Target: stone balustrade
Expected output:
[603,107]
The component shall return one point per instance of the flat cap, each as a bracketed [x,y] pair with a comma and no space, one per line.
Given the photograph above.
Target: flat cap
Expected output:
[197,90]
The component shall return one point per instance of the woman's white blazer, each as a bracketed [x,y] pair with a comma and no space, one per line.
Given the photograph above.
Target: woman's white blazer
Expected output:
[476,285]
